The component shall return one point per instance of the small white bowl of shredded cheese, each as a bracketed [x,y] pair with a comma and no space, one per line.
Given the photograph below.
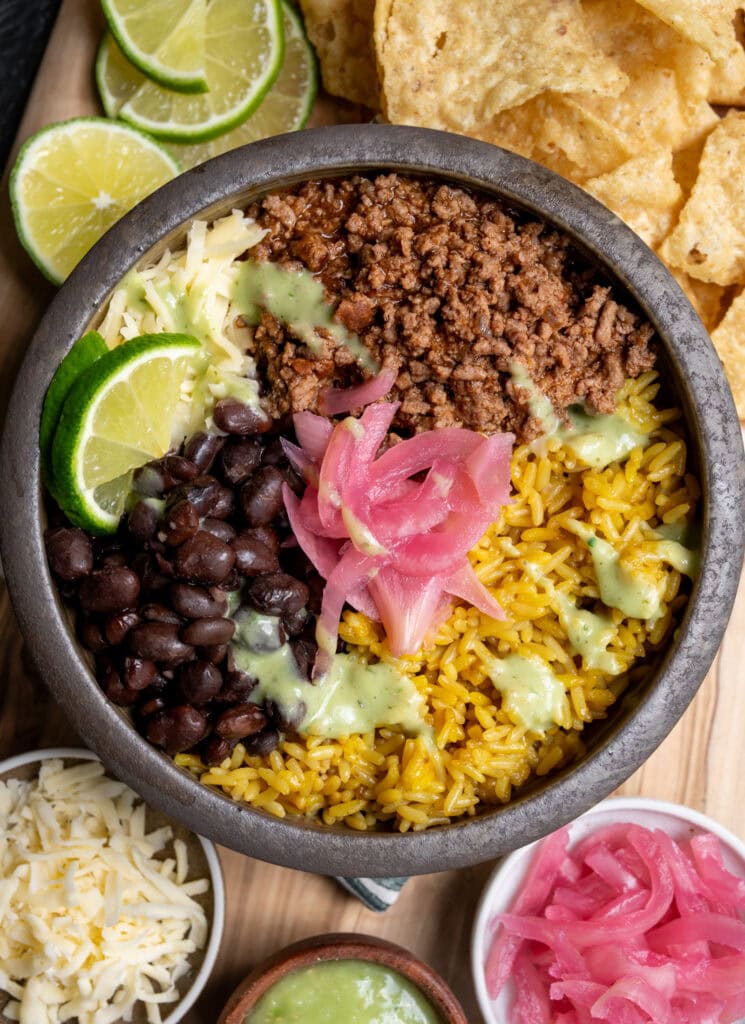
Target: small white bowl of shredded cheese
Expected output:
[109,912]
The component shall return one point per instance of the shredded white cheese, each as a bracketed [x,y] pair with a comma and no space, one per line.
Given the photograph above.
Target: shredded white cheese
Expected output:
[190,291]
[90,920]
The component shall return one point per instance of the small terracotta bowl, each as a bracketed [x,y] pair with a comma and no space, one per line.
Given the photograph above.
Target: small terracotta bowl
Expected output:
[341,947]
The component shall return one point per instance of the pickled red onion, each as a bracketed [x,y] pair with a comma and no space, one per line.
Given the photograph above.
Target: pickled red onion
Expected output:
[386,543]
[629,926]
[337,400]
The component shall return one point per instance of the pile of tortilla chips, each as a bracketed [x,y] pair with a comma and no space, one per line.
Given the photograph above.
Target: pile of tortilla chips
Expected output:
[634,100]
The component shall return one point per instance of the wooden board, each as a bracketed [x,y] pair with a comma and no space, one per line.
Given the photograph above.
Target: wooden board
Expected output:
[700,764]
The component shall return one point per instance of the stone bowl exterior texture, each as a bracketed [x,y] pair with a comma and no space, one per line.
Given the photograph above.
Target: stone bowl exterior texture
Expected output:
[635,726]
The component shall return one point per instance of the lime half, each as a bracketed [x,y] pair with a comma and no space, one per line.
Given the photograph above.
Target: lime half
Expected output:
[243,55]
[285,108]
[119,414]
[73,180]
[81,357]
[163,38]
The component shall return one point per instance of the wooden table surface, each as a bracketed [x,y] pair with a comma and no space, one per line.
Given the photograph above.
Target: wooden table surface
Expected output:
[700,764]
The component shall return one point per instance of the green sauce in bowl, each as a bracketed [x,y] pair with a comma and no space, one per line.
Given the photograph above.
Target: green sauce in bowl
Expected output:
[348,991]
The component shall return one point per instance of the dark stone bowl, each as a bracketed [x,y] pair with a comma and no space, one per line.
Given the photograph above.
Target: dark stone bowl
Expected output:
[635,726]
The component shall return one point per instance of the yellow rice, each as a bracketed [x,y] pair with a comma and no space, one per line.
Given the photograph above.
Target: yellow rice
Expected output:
[482,756]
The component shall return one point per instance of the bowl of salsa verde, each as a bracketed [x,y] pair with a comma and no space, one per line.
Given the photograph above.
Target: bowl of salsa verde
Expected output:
[358,979]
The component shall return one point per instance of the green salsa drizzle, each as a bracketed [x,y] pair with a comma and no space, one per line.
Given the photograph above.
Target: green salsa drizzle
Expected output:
[531,694]
[344,992]
[353,697]
[597,440]
[589,634]
[297,299]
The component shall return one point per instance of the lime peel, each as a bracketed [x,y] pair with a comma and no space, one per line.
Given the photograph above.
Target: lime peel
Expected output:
[72,180]
[163,41]
[119,414]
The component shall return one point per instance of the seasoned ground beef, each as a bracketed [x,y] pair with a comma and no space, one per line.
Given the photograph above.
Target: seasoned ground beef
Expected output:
[447,287]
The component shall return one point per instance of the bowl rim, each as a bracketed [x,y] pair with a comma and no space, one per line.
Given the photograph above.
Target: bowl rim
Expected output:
[339,946]
[629,804]
[217,921]
[277,163]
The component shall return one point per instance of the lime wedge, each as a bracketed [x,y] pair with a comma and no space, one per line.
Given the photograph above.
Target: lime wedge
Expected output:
[73,180]
[119,414]
[165,39]
[243,55]
[285,108]
[81,356]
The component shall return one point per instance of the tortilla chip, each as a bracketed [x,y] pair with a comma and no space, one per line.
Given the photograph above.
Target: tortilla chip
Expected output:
[729,341]
[446,64]
[341,32]
[728,79]
[709,300]
[554,131]
[686,163]
[708,23]
[709,241]
[664,105]
[643,192]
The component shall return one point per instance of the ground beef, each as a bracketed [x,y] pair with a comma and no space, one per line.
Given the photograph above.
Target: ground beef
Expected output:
[448,288]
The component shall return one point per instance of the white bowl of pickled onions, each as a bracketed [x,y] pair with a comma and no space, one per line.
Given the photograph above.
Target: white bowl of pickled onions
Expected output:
[634,913]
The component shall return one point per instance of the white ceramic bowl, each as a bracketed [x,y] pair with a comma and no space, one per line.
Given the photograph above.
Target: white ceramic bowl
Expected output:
[677,821]
[19,766]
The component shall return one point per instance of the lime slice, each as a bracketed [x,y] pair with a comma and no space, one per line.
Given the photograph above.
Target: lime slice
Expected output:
[243,55]
[164,39]
[73,180]
[119,414]
[81,356]
[285,108]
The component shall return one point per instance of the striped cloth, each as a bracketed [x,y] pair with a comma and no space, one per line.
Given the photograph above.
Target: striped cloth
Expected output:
[376,893]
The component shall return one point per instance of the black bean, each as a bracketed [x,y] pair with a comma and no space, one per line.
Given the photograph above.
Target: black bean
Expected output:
[91,635]
[294,622]
[267,535]
[155,612]
[261,496]
[216,653]
[262,743]
[204,559]
[199,681]
[304,652]
[112,685]
[149,572]
[70,552]
[151,480]
[139,673]
[112,560]
[208,496]
[241,721]
[216,749]
[176,729]
[159,641]
[276,593]
[202,449]
[142,521]
[274,454]
[219,528]
[286,717]
[239,460]
[206,632]
[231,582]
[293,479]
[252,557]
[151,706]
[234,417]
[237,688]
[117,626]
[180,521]
[109,590]
[180,467]
[196,602]
[164,566]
